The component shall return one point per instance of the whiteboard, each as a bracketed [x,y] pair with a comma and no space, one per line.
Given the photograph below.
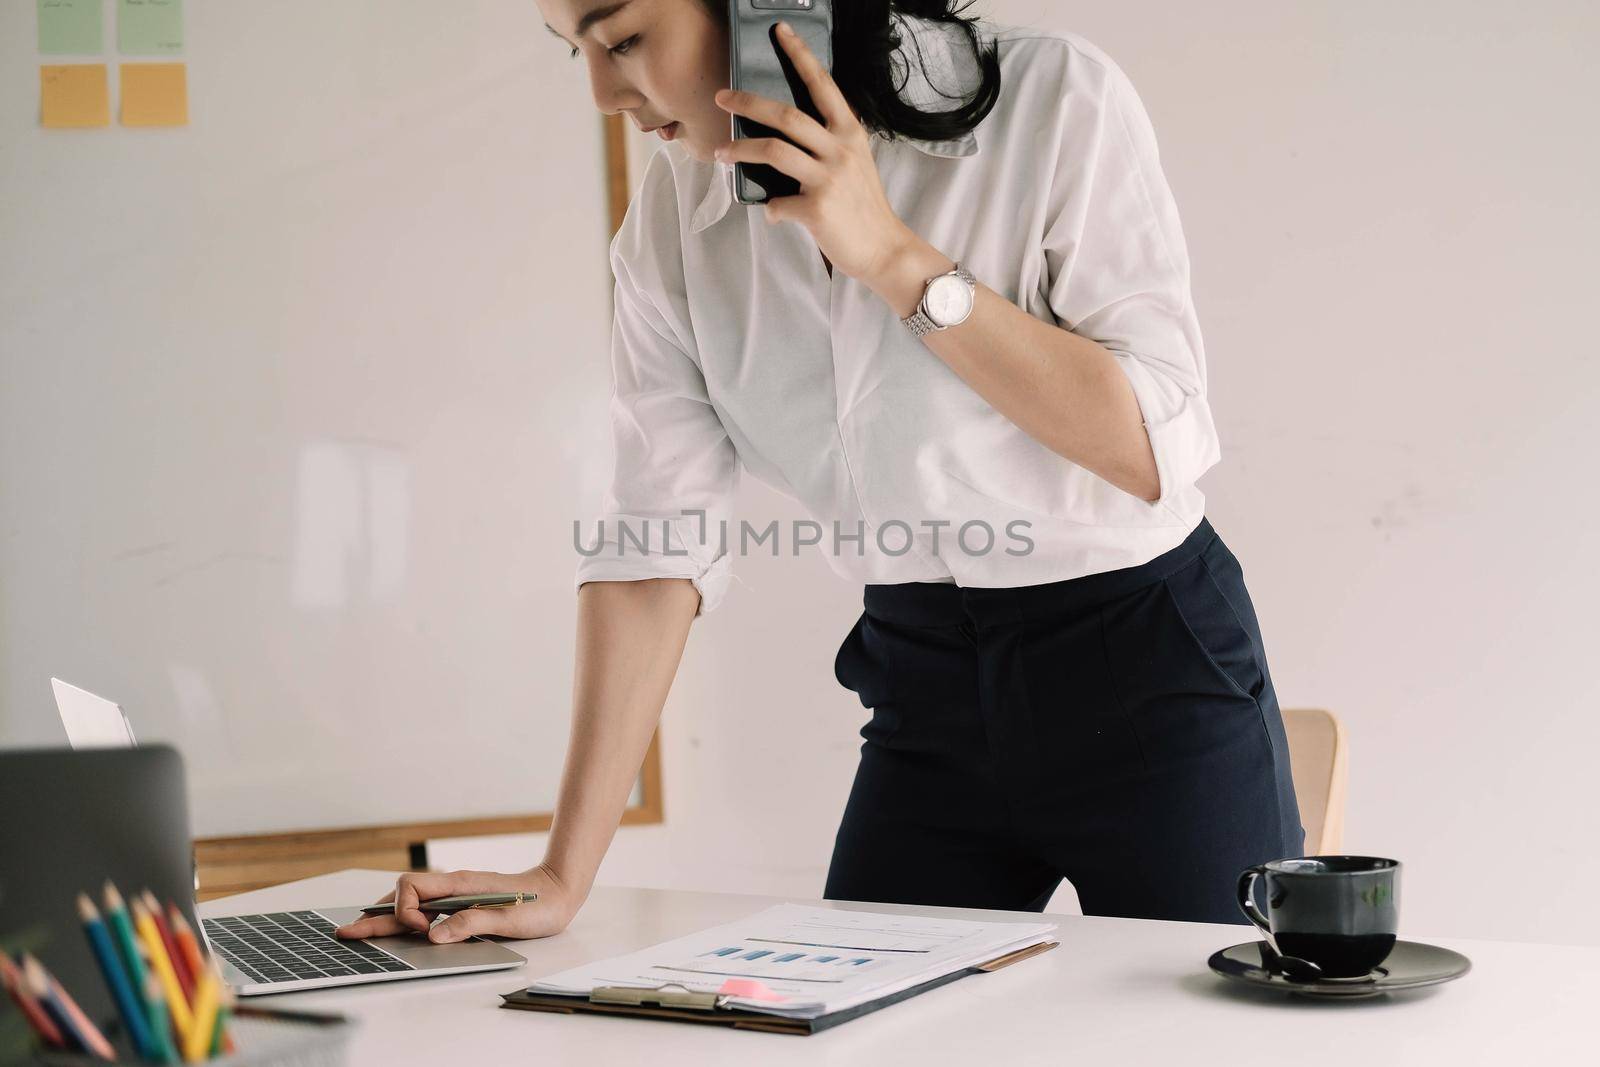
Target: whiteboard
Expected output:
[300,404]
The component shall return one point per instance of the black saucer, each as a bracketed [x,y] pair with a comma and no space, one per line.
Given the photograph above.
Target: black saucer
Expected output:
[1411,964]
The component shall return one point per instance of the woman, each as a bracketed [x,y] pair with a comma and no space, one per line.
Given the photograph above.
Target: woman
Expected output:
[1080,692]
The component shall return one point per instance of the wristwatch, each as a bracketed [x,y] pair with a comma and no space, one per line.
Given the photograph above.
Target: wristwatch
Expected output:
[946,301]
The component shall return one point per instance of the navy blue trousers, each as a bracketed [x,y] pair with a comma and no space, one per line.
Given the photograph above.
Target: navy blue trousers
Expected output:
[1119,730]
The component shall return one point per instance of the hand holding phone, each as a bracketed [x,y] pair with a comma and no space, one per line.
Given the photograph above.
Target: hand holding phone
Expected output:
[758,64]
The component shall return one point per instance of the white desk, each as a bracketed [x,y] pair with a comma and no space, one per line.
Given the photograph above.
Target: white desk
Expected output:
[1117,991]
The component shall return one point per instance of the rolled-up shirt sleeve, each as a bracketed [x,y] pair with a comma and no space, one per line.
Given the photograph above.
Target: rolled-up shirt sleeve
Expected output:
[1118,269]
[669,504]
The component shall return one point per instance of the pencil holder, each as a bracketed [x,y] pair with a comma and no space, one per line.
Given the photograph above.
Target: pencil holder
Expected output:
[263,1037]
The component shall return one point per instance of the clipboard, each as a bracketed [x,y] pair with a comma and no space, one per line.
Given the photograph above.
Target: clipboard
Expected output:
[681,1005]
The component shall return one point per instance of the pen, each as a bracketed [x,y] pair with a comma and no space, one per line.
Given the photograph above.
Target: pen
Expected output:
[451,905]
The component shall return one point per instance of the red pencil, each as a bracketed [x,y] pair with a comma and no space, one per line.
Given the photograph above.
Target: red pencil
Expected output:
[193,954]
[31,1010]
[188,945]
[179,965]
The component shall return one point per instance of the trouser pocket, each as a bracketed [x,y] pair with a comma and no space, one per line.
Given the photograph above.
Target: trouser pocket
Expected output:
[863,666]
[1185,673]
[1213,629]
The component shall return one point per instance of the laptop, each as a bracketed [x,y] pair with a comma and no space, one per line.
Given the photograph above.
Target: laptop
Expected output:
[71,819]
[91,721]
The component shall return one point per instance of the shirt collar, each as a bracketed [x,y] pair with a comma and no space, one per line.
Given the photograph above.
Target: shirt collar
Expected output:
[943,49]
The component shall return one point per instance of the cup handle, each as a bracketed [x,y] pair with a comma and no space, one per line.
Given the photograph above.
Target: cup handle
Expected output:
[1247,902]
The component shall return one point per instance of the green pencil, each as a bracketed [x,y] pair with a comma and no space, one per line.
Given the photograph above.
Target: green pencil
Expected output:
[122,933]
[160,1021]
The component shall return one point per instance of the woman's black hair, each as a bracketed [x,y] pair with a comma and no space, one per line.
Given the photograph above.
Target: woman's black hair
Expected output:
[864,36]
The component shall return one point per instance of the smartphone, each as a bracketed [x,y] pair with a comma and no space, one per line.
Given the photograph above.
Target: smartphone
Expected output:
[758,64]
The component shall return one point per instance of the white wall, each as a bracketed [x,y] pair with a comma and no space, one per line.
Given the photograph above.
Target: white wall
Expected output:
[292,427]
[1391,214]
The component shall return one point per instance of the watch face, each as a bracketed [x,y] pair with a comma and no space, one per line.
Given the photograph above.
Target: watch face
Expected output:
[949,300]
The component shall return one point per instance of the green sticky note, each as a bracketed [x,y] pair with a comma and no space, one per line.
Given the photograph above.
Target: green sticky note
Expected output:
[70,28]
[150,27]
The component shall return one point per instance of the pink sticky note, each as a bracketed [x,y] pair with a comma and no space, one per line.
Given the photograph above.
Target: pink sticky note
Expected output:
[750,989]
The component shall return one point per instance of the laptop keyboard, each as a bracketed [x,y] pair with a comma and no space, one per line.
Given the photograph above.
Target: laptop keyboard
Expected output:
[287,946]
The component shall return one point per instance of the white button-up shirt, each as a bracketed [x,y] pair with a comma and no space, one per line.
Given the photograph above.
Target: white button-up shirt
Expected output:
[733,348]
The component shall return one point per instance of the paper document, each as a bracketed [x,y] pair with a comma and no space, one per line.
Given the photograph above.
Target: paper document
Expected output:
[802,962]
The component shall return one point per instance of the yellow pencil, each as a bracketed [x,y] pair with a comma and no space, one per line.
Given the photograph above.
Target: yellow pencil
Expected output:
[182,1017]
[197,1043]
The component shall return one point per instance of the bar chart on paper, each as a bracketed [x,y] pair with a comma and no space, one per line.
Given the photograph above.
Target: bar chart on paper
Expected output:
[842,946]
[806,961]
[743,961]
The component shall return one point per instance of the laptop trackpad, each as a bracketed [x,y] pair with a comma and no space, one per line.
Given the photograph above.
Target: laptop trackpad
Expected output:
[423,954]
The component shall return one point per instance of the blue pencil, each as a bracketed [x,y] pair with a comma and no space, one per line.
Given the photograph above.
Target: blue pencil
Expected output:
[129,1004]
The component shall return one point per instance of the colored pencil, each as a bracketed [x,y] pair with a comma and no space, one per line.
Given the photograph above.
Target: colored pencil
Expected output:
[200,962]
[38,1019]
[222,1041]
[177,1004]
[198,1044]
[180,966]
[127,941]
[39,990]
[135,1017]
[64,1010]
[160,1025]
[193,956]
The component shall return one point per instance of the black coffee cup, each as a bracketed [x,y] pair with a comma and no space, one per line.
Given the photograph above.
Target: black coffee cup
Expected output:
[1339,912]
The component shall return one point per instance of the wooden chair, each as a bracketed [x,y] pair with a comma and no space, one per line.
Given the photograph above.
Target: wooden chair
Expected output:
[1318,756]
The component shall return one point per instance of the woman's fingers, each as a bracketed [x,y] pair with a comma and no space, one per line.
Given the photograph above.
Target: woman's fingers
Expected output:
[548,914]
[372,926]
[408,895]
[776,153]
[825,92]
[539,918]
[369,926]
[411,890]
[474,921]
[785,118]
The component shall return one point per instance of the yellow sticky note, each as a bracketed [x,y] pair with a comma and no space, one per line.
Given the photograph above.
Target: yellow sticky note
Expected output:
[74,94]
[155,94]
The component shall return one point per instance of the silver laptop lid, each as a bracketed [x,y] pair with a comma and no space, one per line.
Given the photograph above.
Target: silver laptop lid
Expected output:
[91,721]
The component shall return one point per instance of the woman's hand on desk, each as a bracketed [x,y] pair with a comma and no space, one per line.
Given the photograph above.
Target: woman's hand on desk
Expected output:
[548,915]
